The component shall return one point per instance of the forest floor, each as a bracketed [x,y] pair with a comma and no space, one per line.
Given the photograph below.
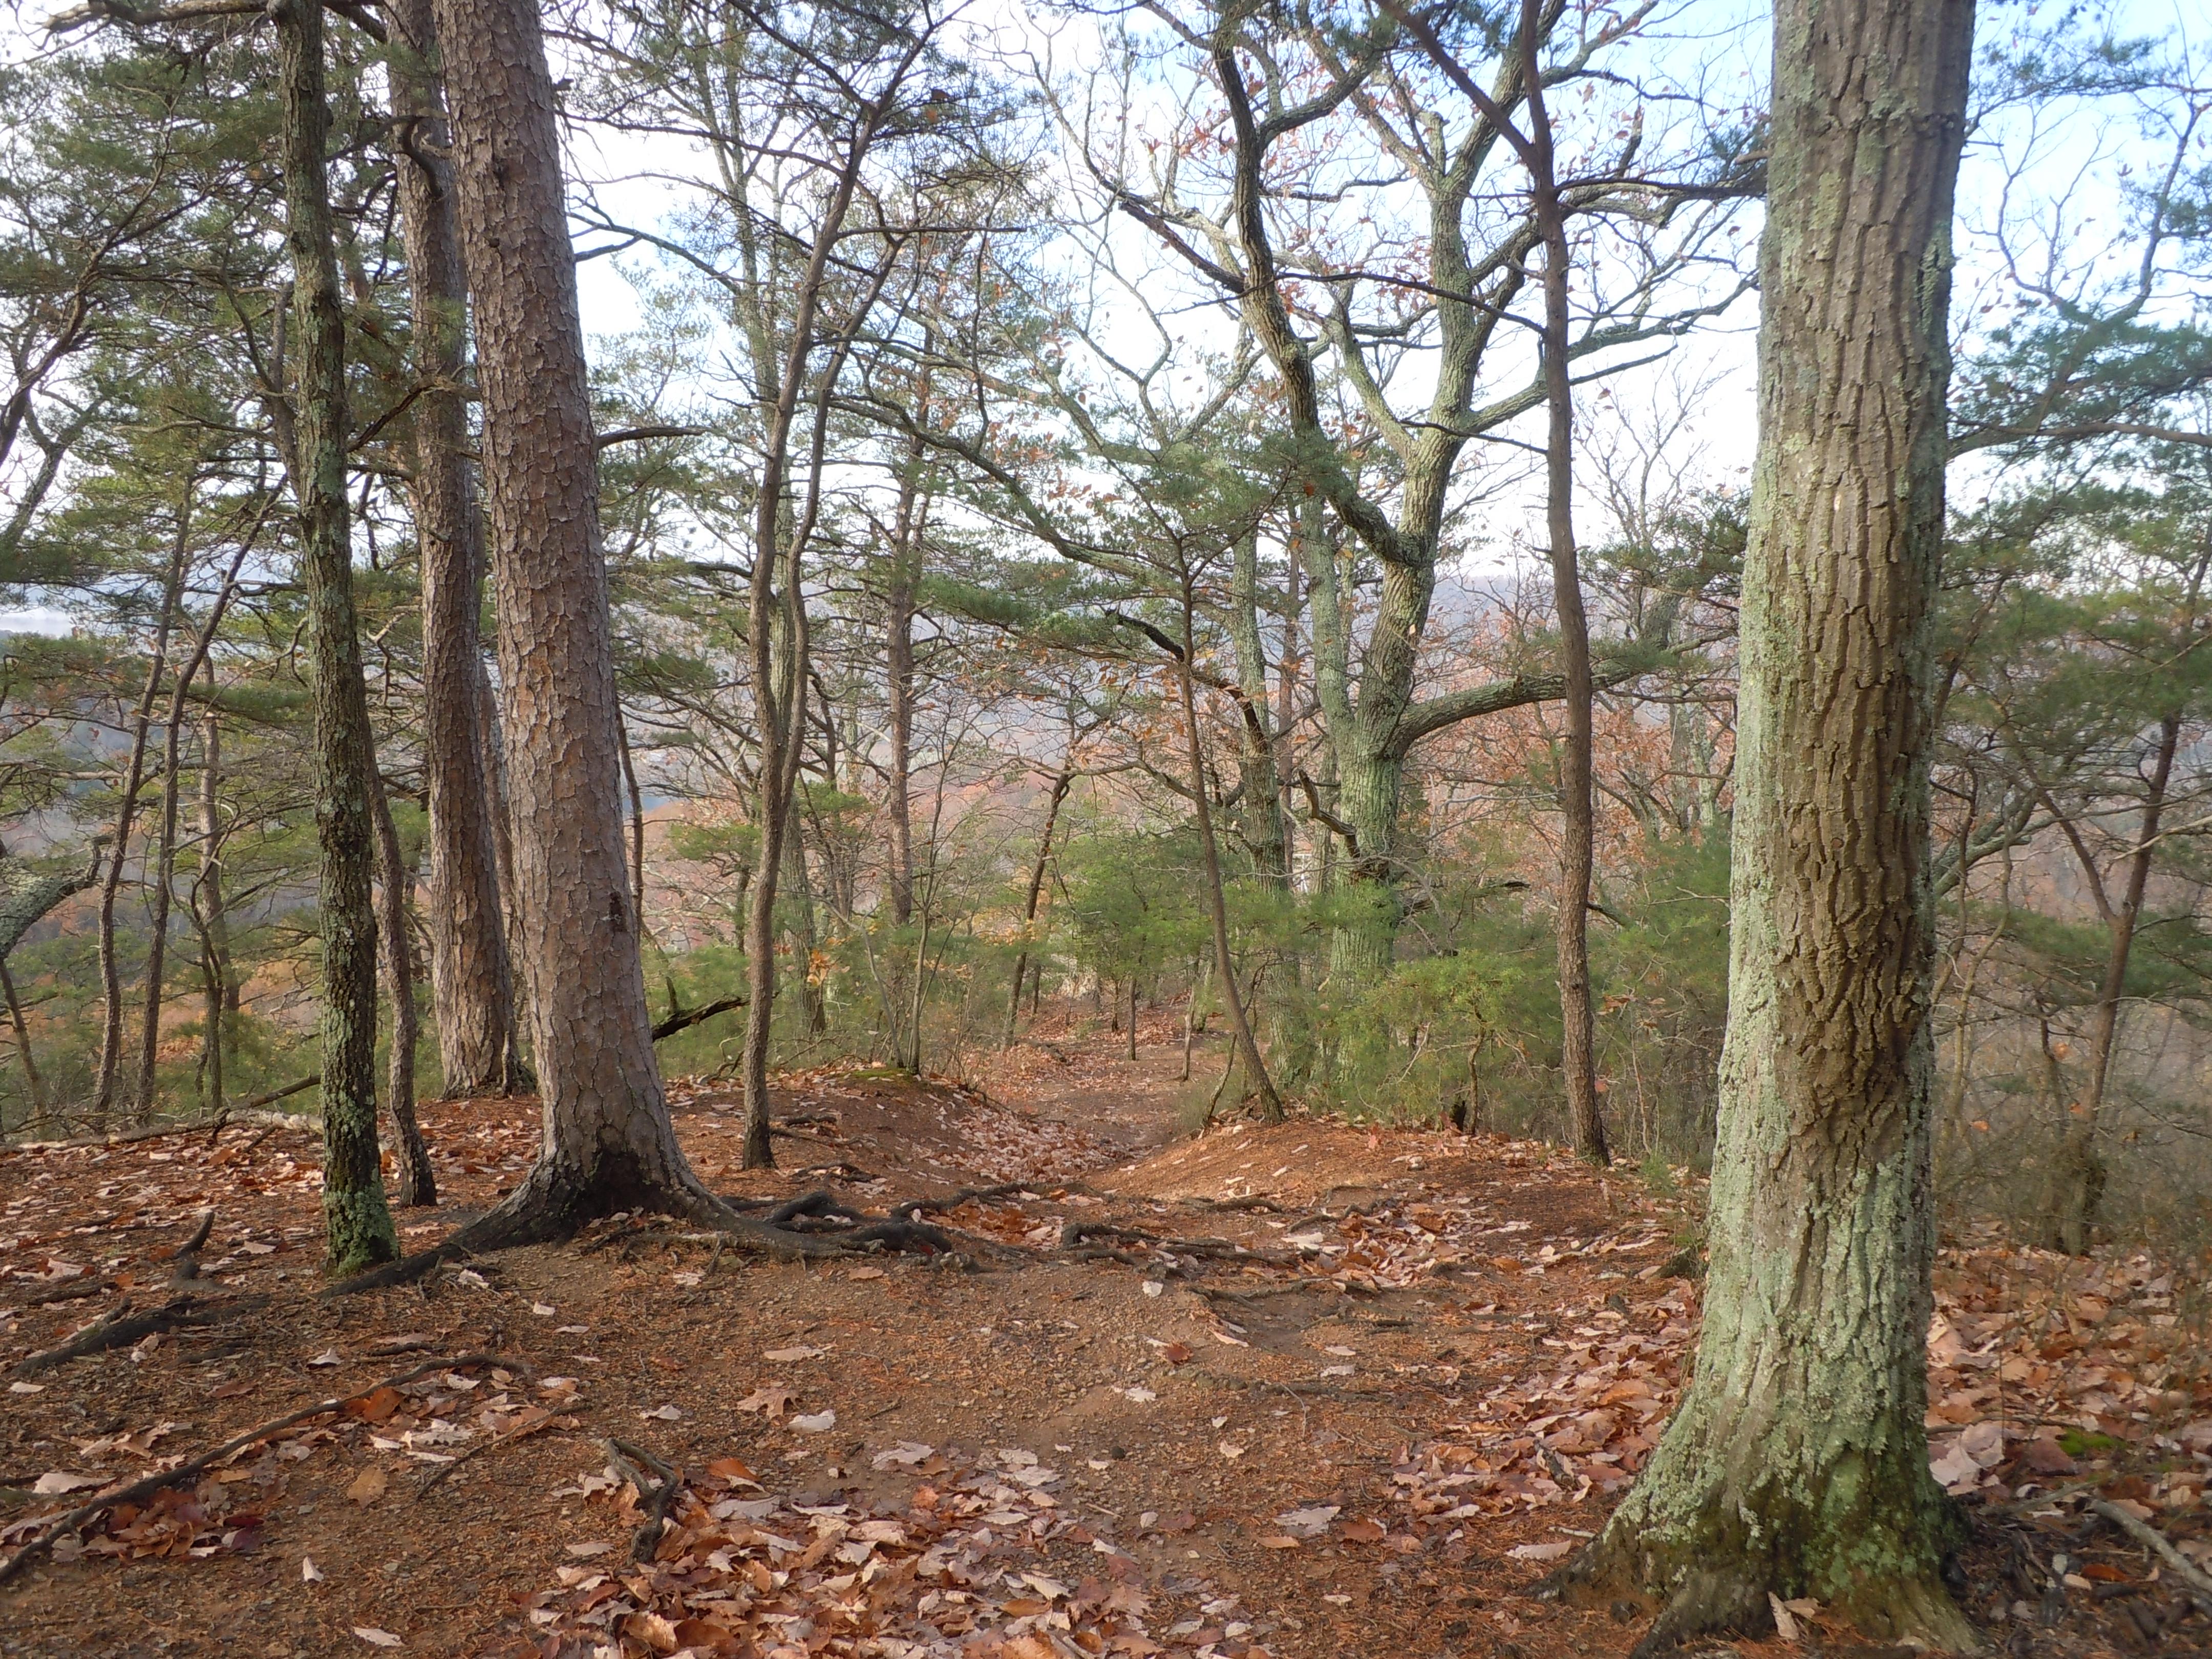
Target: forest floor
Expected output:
[1297,1391]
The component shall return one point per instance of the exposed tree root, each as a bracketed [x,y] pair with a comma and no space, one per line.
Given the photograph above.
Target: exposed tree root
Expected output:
[193,1467]
[122,1329]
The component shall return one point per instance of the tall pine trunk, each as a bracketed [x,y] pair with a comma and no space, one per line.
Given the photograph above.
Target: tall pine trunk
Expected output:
[1797,1463]
[608,1144]
[357,1220]
[471,978]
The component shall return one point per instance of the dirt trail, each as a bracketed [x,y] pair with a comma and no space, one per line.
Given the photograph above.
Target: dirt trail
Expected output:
[1302,1390]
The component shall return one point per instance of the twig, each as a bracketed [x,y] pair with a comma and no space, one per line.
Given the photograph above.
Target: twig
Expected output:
[153,1483]
[520,1431]
[2151,1539]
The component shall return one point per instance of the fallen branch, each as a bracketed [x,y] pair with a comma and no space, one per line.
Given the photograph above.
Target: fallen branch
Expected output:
[2193,1576]
[253,1111]
[684,1019]
[656,1499]
[188,1470]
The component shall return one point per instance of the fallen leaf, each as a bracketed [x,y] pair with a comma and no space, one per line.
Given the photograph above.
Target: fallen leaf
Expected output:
[1310,1521]
[2045,1456]
[868,1273]
[309,1572]
[375,1405]
[588,1548]
[1177,1353]
[369,1486]
[60,1480]
[1785,1622]
[1281,1540]
[1366,1532]
[663,1415]
[328,1357]
[1540,1552]
[375,1638]
[543,1310]
[788,1356]
[815,1422]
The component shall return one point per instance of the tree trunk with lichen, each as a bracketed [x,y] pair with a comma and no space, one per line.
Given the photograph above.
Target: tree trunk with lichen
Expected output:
[608,1144]
[1797,1463]
[356,1218]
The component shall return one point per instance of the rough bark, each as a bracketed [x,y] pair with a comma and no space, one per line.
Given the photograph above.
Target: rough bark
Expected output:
[418,1182]
[471,977]
[357,1220]
[608,1144]
[1797,1463]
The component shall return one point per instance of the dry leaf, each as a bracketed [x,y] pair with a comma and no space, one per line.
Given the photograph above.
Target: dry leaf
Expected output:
[309,1572]
[1366,1532]
[55,1482]
[1785,1622]
[1281,1540]
[1540,1552]
[375,1638]
[369,1486]
[771,1401]
[788,1356]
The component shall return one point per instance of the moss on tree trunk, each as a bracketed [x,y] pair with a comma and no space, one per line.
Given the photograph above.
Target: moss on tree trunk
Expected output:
[358,1230]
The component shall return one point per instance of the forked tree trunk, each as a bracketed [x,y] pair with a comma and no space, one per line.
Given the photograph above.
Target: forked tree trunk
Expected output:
[418,1182]
[2077,1176]
[471,979]
[1060,783]
[1246,1046]
[608,1143]
[165,854]
[357,1221]
[1797,1463]
[126,812]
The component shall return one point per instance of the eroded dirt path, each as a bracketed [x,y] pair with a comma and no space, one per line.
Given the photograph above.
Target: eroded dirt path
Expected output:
[1303,1390]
